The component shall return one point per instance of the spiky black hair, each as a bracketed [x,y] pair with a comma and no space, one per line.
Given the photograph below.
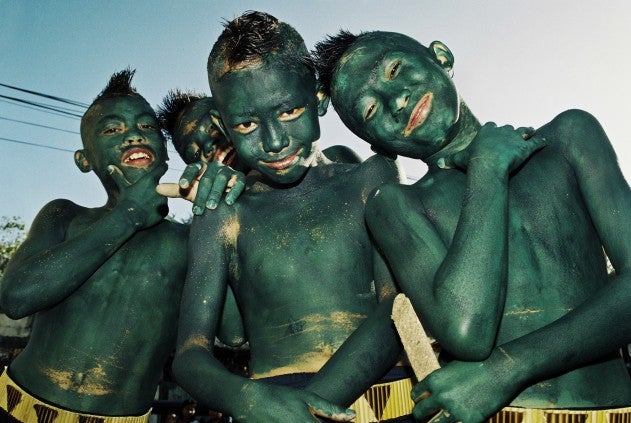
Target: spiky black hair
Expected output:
[118,85]
[254,35]
[172,107]
[327,54]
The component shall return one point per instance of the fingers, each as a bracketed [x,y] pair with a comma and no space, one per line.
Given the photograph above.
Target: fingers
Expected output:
[169,190]
[219,185]
[192,172]
[442,416]
[237,185]
[525,131]
[420,391]
[426,407]
[322,408]
[118,177]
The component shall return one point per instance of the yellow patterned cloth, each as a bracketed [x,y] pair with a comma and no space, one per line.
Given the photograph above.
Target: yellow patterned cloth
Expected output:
[384,401]
[26,408]
[536,415]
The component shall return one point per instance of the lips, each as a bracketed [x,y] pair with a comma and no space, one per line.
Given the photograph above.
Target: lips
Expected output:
[419,113]
[225,154]
[137,157]
[283,163]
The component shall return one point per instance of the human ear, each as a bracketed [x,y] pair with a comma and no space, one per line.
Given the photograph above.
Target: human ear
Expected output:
[442,55]
[323,99]
[81,161]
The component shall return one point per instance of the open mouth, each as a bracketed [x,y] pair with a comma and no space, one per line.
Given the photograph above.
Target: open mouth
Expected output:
[225,155]
[419,113]
[283,163]
[137,157]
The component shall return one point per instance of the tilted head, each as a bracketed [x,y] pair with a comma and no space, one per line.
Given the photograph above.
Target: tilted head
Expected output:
[185,117]
[390,90]
[265,91]
[120,128]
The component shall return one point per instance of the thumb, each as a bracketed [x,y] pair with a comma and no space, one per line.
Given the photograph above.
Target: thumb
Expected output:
[170,190]
[322,408]
[452,161]
[118,177]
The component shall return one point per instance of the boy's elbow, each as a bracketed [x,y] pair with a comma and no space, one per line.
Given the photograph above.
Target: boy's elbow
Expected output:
[10,303]
[468,344]
[13,308]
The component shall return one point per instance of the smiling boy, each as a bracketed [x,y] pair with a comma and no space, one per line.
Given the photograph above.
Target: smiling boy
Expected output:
[294,248]
[556,320]
[103,283]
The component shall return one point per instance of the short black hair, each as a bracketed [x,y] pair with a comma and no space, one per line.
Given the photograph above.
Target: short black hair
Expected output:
[252,36]
[327,54]
[173,104]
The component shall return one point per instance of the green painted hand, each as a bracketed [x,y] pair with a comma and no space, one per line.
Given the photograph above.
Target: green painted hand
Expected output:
[503,148]
[144,206]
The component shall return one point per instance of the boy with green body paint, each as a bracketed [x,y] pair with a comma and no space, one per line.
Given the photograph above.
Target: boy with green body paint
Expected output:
[103,283]
[548,325]
[294,248]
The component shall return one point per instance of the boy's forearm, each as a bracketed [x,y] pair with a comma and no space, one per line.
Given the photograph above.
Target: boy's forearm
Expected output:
[594,330]
[361,361]
[41,281]
[470,282]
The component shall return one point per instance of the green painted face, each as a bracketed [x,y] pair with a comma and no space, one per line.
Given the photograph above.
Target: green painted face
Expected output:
[124,132]
[198,138]
[270,113]
[393,92]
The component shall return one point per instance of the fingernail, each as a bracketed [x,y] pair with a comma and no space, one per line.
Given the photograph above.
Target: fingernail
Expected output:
[211,204]
[229,201]
[183,183]
[197,211]
[441,163]
[110,169]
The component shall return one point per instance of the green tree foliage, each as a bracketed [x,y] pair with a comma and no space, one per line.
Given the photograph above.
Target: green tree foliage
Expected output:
[12,233]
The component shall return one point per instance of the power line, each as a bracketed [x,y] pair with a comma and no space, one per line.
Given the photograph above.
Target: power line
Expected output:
[62,114]
[36,145]
[52,97]
[42,105]
[41,126]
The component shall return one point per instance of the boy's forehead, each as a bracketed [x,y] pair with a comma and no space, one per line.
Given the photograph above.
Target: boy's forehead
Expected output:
[120,105]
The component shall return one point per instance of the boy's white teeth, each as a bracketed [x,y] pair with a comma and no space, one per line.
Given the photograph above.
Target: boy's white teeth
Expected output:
[136,156]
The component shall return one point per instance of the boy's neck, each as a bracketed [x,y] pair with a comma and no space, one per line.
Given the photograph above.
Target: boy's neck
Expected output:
[463,132]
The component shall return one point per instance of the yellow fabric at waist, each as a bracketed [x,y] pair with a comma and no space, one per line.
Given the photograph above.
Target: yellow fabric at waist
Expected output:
[384,401]
[26,408]
[542,415]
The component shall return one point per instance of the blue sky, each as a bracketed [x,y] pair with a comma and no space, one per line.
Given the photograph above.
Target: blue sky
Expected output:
[516,62]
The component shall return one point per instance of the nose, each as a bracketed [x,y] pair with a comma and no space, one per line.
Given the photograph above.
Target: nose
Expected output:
[274,138]
[399,102]
[134,137]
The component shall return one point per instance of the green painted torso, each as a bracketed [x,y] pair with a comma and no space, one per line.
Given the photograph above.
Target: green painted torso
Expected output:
[103,348]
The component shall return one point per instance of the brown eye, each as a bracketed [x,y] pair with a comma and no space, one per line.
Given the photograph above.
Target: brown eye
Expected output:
[110,131]
[394,69]
[245,127]
[292,114]
[370,111]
